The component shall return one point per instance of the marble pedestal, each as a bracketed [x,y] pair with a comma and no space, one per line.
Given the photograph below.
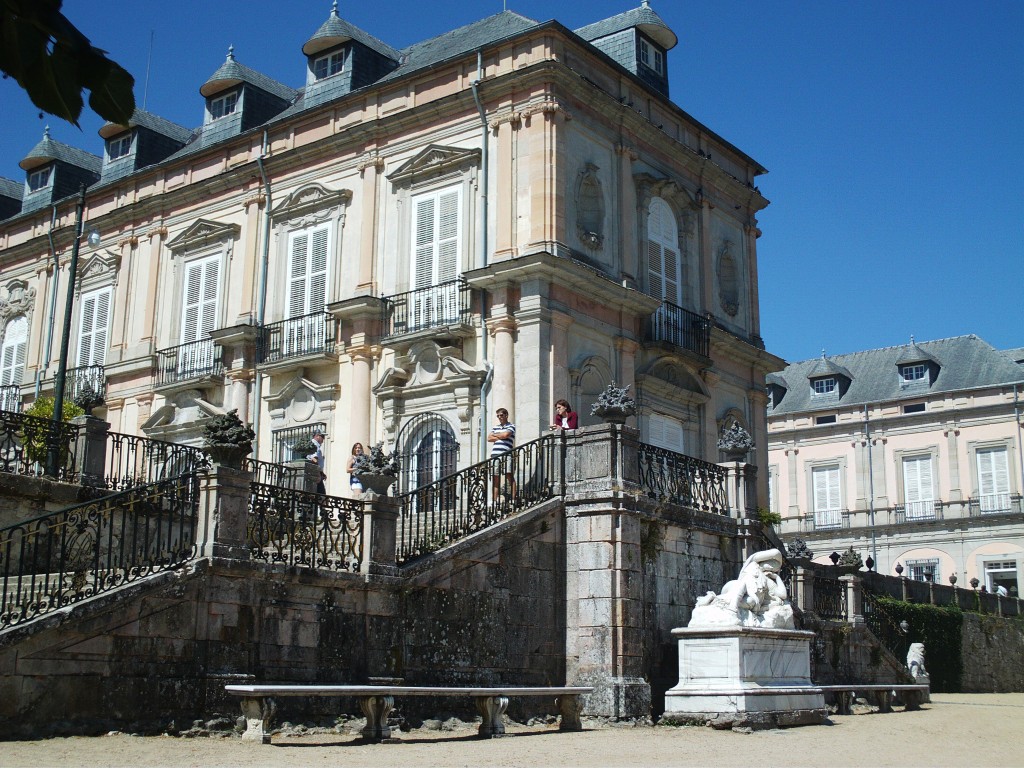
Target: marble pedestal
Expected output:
[744,676]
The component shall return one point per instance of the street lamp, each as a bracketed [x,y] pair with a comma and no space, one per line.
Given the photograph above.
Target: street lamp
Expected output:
[53,449]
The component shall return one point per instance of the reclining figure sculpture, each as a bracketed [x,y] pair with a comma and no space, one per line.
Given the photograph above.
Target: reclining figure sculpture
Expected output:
[756,598]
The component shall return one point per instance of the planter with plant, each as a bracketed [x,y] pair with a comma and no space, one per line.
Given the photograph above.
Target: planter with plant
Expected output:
[377,471]
[226,440]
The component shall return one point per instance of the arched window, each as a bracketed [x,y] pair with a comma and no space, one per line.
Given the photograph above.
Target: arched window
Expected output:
[12,354]
[428,451]
[664,268]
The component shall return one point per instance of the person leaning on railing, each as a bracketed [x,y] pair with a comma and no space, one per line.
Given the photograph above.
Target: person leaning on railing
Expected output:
[565,416]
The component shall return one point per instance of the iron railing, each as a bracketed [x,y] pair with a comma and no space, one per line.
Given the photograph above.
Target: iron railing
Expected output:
[829,519]
[312,334]
[76,379]
[308,530]
[917,510]
[681,328]
[10,398]
[64,557]
[433,307]
[133,460]
[884,626]
[674,477]
[24,441]
[474,498]
[995,504]
[268,473]
[194,360]
[830,600]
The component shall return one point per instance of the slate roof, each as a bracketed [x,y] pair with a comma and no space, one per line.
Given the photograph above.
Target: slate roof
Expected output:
[231,72]
[1016,354]
[10,188]
[48,149]
[965,362]
[153,122]
[643,17]
[336,30]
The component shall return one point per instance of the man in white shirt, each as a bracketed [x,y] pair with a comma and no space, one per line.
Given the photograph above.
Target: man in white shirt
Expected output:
[318,458]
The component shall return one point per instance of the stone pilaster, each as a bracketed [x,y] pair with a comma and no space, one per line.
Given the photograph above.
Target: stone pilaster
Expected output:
[223,513]
[91,449]
[380,533]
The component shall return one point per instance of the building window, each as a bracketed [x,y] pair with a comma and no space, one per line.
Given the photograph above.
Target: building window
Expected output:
[119,147]
[993,480]
[93,325]
[1002,573]
[830,419]
[12,353]
[651,57]
[39,179]
[307,270]
[924,570]
[429,452]
[665,432]
[282,440]
[918,488]
[912,373]
[664,268]
[824,386]
[914,408]
[828,505]
[437,254]
[223,105]
[329,65]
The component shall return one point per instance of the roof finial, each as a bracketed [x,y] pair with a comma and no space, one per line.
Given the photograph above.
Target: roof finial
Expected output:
[231,53]
[46,132]
[911,338]
[645,4]
[334,9]
[822,353]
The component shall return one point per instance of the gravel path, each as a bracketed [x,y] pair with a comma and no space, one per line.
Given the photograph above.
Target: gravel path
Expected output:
[954,730]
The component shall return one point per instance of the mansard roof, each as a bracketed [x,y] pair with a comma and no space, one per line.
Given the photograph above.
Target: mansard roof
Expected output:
[336,31]
[642,18]
[10,188]
[231,73]
[965,362]
[155,123]
[48,150]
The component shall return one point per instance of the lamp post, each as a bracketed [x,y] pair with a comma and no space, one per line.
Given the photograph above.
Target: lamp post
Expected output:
[53,449]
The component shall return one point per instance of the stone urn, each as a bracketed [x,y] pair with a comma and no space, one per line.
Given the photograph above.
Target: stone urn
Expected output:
[735,443]
[376,470]
[227,454]
[376,482]
[226,440]
[614,405]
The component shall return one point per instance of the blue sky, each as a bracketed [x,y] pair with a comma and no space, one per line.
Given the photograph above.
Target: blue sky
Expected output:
[893,132]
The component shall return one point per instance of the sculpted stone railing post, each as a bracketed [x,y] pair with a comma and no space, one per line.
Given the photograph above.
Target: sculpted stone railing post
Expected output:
[223,513]
[803,588]
[741,479]
[854,599]
[90,449]
[380,533]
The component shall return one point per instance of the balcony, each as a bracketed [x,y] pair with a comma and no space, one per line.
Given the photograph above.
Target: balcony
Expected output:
[10,398]
[195,360]
[306,336]
[77,379]
[828,520]
[914,511]
[680,328]
[439,306]
[995,504]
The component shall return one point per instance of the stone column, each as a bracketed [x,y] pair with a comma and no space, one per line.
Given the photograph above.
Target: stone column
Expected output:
[740,479]
[803,586]
[223,513]
[604,593]
[370,168]
[503,329]
[91,449]
[361,399]
[380,533]
[628,216]
[752,233]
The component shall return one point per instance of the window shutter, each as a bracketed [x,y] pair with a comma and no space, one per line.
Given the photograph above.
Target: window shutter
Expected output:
[826,489]
[917,479]
[663,264]
[993,472]
[423,256]
[665,432]
[199,310]
[92,328]
[297,274]
[317,270]
[12,357]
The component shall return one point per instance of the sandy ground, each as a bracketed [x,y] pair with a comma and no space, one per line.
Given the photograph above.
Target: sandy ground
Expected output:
[954,730]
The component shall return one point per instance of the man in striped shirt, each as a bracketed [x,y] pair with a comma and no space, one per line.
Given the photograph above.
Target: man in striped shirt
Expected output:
[502,439]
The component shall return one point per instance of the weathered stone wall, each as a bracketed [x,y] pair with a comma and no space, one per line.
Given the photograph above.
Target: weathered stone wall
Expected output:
[993,654]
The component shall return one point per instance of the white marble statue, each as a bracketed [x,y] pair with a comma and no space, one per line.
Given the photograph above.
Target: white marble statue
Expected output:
[915,660]
[756,598]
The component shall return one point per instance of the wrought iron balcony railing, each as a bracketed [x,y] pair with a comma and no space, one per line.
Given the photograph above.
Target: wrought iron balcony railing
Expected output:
[10,398]
[995,504]
[194,360]
[917,510]
[434,307]
[312,334]
[77,378]
[680,328]
[683,480]
[829,519]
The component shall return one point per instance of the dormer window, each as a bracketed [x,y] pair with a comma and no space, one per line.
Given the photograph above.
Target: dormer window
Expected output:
[914,372]
[824,386]
[39,179]
[332,64]
[651,57]
[223,105]
[119,147]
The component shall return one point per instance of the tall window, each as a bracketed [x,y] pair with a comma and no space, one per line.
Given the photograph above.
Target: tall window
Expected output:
[329,65]
[12,354]
[665,432]
[437,252]
[993,480]
[664,269]
[308,252]
[828,504]
[918,489]
[199,314]
[93,325]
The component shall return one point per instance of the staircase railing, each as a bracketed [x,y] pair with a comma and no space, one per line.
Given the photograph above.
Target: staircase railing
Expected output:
[309,530]
[64,557]
[133,460]
[884,627]
[448,509]
[23,445]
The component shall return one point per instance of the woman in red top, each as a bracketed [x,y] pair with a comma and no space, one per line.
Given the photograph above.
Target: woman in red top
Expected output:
[565,416]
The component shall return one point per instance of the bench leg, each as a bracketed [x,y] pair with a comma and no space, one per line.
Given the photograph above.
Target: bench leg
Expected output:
[844,702]
[570,707]
[259,714]
[912,700]
[884,701]
[491,709]
[376,710]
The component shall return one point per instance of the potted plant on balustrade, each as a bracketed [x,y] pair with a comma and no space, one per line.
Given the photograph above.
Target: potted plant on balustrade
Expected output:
[735,442]
[376,470]
[614,405]
[226,440]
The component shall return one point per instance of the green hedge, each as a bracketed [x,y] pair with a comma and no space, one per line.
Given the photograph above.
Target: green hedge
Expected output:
[940,628]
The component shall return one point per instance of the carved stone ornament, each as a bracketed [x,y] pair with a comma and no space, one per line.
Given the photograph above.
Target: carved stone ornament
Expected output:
[735,442]
[20,299]
[797,549]
[756,598]
[614,405]
[728,280]
[433,161]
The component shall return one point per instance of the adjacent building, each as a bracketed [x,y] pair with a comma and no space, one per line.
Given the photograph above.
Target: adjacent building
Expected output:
[508,214]
[911,454]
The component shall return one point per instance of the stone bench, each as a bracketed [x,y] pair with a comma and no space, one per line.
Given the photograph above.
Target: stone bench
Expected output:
[912,695]
[377,701]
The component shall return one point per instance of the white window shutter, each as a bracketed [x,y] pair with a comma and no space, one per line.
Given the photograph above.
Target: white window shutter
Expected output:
[92,327]
[665,432]
[297,274]
[425,243]
[318,270]
[917,479]
[199,302]
[993,472]
[827,488]
[448,236]
[12,356]
[663,263]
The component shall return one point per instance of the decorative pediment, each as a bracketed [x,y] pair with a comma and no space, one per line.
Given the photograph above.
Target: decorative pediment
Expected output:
[20,299]
[202,233]
[99,266]
[435,160]
[181,418]
[666,189]
[311,198]
[283,397]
